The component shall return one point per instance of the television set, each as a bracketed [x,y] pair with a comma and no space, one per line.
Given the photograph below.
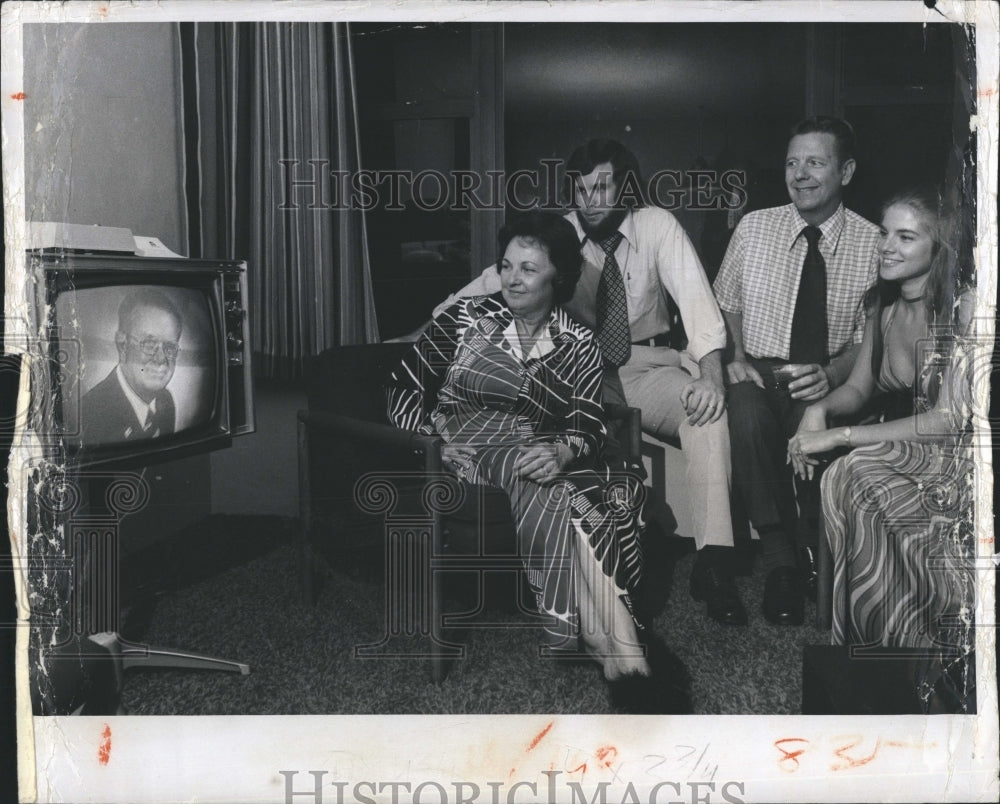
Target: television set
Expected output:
[143,359]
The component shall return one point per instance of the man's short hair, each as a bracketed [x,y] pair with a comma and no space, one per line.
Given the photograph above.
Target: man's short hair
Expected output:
[145,297]
[624,166]
[843,133]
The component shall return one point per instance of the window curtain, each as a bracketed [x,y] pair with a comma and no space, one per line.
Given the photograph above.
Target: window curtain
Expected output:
[276,112]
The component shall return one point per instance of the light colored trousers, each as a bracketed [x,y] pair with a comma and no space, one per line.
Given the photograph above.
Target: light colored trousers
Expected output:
[652,380]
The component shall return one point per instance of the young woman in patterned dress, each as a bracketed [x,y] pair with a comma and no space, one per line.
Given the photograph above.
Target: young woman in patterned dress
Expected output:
[897,508]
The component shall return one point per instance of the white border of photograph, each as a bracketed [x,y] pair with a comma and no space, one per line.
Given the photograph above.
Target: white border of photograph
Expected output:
[386,758]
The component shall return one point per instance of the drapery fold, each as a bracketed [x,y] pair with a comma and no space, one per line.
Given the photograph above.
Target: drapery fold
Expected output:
[285,118]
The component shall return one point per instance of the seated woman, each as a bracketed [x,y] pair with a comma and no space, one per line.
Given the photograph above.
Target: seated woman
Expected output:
[896,508]
[513,387]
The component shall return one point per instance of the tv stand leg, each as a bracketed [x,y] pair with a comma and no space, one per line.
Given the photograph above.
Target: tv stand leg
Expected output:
[169,658]
[135,655]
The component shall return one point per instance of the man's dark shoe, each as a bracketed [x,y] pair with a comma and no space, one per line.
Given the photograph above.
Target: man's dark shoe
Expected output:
[810,571]
[784,603]
[718,590]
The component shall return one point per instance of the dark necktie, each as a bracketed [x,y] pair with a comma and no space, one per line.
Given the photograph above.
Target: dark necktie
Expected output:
[150,428]
[612,312]
[809,320]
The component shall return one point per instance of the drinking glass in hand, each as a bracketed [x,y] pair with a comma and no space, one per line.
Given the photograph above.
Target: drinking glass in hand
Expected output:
[783,375]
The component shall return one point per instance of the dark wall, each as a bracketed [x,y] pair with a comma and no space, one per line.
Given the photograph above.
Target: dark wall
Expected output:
[692,96]
[680,96]
[258,474]
[899,92]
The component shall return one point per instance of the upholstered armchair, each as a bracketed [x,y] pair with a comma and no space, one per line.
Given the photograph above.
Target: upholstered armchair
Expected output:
[365,484]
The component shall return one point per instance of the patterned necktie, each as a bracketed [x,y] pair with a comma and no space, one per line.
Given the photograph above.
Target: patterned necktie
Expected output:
[612,312]
[809,320]
[149,420]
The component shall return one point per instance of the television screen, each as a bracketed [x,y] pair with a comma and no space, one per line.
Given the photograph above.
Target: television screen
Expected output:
[147,362]
[146,358]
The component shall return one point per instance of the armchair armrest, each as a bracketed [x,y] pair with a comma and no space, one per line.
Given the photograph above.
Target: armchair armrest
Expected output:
[355,431]
[382,435]
[630,428]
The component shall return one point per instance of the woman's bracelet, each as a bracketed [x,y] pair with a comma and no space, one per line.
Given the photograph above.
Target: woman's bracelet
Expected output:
[847,437]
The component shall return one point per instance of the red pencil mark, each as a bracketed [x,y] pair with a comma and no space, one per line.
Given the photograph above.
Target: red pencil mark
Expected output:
[103,11]
[104,749]
[606,755]
[900,744]
[19,96]
[854,762]
[539,736]
[790,756]
[582,768]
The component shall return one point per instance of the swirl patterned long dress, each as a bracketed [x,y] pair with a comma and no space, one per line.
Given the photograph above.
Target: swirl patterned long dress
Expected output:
[467,381]
[898,519]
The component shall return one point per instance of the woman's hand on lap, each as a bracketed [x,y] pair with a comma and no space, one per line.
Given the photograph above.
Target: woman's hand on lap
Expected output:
[541,463]
[457,456]
[803,445]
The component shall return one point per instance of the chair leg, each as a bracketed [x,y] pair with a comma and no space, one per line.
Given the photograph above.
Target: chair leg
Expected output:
[307,572]
[439,661]
[824,581]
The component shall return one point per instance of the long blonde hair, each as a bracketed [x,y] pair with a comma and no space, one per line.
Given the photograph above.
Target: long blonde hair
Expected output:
[943,279]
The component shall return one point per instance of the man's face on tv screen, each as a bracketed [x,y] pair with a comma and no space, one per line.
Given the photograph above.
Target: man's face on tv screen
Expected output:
[148,351]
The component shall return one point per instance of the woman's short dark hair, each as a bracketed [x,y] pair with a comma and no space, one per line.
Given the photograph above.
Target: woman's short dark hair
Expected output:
[557,237]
